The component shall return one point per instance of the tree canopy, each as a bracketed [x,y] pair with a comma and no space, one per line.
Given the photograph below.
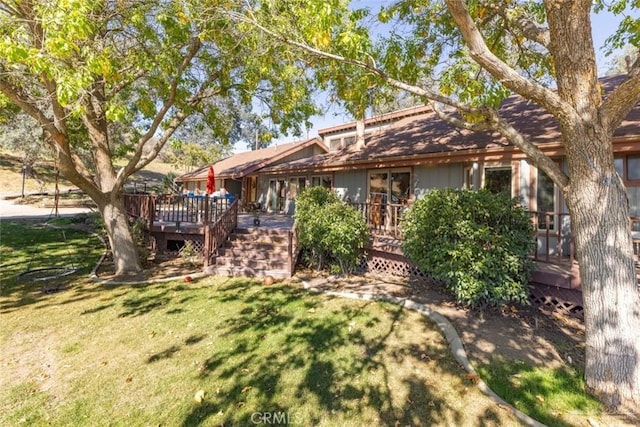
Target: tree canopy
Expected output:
[463,58]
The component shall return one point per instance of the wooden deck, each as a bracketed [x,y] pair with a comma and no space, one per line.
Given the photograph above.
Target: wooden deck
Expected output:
[209,223]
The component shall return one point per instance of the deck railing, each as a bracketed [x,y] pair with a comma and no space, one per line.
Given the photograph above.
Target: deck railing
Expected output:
[140,206]
[176,209]
[216,232]
[382,218]
[553,236]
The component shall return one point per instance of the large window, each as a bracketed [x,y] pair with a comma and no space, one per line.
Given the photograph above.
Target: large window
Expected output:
[633,168]
[324,181]
[296,185]
[628,167]
[546,200]
[498,180]
[393,186]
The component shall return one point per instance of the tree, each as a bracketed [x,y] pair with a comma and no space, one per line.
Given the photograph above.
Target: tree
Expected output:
[22,134]
[469,55]
[118,77]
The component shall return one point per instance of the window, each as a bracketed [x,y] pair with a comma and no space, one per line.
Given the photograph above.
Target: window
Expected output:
[618,162]
[350,140]
[633,168]
[545,198]
[400,187]
[628,167]
[324,181]
[335,144]
[498,180]
[378,187]
[296,185]
[393,186]
[276,195]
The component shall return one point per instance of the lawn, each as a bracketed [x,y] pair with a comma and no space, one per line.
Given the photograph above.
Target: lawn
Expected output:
[221,351]
[144,355]
[217,352]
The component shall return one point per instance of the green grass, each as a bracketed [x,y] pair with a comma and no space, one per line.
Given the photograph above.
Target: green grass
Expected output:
[138,355]
[26,246]
[548,395]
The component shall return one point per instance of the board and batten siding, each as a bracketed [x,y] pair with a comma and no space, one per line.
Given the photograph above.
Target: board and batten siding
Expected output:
[351,185]
[427,178]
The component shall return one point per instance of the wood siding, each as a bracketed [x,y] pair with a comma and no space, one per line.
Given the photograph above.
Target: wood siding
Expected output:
[352,185]
[426,178]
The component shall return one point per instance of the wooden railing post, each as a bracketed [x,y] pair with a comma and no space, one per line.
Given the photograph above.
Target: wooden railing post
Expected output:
[207,211]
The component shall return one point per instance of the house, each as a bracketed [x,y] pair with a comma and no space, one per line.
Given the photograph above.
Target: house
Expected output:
[238,174]
[409,152]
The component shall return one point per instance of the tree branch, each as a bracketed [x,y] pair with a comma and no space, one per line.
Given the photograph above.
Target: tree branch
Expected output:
[528,28]
[500,70]
[133,163]
[494,122]
[619,103]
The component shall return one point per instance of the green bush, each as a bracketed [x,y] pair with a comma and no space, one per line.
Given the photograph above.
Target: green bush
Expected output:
[475,242]
[345,234]
[329,229]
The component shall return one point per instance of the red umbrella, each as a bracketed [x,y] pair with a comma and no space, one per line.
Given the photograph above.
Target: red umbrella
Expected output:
[211,181]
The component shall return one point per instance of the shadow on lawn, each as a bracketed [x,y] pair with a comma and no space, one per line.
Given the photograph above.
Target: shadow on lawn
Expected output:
[283,341]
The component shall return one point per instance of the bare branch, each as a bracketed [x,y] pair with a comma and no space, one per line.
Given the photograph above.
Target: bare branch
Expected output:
[532,152]
[528,28]
[133,163]
[368,65]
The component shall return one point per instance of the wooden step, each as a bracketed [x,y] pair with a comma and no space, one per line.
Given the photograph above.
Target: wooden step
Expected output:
[262,264]
[261,246]
[246,272]
[259,238]
[266,252]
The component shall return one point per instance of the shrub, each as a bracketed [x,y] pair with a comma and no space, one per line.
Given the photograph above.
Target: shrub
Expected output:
[345,234]
[328,228]
[475,242]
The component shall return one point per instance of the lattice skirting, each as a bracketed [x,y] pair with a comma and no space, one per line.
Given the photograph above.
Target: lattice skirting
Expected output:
[161,243]
[565,301]
[383,263]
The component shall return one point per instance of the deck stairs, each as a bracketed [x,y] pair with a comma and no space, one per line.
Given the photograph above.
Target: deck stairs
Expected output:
[254,252]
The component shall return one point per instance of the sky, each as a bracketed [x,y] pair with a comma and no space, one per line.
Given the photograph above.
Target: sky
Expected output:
[603,25]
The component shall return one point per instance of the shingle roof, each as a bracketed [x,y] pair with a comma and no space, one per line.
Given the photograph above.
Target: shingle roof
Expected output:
[242,164]
[426,134]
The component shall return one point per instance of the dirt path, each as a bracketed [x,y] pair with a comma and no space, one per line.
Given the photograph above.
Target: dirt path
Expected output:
[530,336]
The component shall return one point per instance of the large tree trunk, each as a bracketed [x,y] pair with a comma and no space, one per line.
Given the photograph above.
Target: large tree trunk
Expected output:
[600,223]
[123,247]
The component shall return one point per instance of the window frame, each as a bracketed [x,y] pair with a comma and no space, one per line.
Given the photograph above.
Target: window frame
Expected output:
[389,172]
[541,223]
[508,167]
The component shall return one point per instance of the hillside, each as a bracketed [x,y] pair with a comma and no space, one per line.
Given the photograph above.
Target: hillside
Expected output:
[43,179]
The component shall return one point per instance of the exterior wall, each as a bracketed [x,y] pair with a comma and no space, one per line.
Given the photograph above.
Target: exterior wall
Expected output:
[301,154]
[525,191]
[233,186]
[351,185]
[634,200]
[426,178]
